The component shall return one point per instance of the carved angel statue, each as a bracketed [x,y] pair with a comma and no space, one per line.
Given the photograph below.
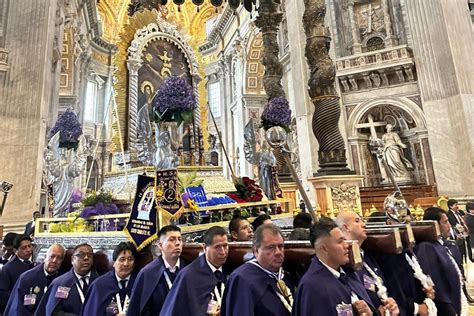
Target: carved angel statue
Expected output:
[63,166]
[263,159]
[154,150]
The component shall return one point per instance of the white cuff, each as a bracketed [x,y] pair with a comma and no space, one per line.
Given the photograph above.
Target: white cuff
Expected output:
[415,309]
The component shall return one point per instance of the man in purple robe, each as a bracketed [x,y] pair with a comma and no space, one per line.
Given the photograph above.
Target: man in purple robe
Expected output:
[258,286]
[326,288]
[353,227]
[15,267]
[109,294]
[67,293]
[32,284]
[437,260]
[199,287]
[156,279]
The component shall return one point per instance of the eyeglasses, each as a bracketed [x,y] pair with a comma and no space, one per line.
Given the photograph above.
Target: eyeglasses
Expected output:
[82,255]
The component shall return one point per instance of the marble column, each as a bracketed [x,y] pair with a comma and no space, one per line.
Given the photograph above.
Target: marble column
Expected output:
[226,115]
[441,33]
[25,103]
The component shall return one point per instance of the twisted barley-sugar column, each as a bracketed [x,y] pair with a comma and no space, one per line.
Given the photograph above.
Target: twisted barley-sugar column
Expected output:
[133,105]
[332,153]
[268,20]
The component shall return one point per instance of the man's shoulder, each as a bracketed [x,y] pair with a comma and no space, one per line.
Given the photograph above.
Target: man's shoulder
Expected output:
[34,273]
[110,275]
[248,270]
[153,267]
[64,280]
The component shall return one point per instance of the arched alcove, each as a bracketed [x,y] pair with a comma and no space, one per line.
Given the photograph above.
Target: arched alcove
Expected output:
[369,119]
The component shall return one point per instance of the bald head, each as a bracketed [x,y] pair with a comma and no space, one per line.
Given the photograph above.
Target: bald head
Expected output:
[352,225]
[54,258]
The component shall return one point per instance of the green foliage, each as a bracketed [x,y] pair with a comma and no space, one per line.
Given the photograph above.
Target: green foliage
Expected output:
[95,197]
[186,180]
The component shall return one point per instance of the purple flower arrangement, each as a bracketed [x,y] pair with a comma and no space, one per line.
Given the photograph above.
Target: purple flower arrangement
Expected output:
[69,130]
[174,101]
[277,113]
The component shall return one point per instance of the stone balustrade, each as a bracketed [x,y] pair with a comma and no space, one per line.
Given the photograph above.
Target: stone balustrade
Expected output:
[389,56]
[376,69]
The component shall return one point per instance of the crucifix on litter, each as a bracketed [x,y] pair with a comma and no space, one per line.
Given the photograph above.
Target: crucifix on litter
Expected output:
[373,135]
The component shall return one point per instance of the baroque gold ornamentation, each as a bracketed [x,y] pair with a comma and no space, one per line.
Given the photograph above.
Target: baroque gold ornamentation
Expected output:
[190,23]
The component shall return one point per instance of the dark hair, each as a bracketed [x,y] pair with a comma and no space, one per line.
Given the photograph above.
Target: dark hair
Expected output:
[377,217]
[258,236]
[19,239]
[451,202]
[235,223]
[299,234]
[123,246]
[321,229]
[469,206]
[326,220]
[211,233]
[433,214]
[9,239]
[84,244]
[259,220]
[302,220]
[168,228]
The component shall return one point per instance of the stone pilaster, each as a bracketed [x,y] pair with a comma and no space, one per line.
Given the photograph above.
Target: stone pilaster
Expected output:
[441,33]
[387,20]
[356,46]
[307,144]
[25,103]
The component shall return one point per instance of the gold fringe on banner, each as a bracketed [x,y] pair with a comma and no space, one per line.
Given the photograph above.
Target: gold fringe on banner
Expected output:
[147,241]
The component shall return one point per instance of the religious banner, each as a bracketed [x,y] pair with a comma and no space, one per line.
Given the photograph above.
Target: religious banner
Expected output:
[142,227]
[167,195]
[276,183]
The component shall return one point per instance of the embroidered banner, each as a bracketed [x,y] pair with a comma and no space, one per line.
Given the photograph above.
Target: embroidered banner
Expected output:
[142,226]
[168,199]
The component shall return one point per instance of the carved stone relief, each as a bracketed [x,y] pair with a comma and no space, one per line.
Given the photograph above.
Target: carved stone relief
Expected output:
[344,197]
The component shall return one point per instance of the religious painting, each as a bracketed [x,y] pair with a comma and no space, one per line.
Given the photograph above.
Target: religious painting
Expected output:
[161,59]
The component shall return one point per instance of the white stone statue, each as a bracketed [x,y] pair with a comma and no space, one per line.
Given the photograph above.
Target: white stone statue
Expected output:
[395,160]
[63,166]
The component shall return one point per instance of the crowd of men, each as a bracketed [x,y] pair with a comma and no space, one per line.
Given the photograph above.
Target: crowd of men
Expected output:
[426,280]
